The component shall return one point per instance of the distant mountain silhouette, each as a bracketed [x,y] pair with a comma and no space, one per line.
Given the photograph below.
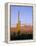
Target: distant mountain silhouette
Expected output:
[23,28]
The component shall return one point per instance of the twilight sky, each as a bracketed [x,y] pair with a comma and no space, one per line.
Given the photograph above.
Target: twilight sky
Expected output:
[25,14]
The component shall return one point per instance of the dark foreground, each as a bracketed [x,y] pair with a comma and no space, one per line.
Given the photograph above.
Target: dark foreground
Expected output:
[17,36]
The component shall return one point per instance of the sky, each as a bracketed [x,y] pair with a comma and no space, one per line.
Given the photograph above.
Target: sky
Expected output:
[25,14]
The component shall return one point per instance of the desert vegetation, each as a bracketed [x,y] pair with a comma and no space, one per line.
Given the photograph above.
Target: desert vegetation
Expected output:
[25,32]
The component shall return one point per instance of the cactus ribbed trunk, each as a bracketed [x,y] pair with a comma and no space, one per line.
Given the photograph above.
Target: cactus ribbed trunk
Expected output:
[18,21]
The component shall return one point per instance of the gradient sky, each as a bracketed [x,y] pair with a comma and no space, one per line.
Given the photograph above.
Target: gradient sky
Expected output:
[25,14]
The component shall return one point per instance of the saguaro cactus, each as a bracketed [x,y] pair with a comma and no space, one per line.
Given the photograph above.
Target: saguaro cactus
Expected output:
[18,21]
